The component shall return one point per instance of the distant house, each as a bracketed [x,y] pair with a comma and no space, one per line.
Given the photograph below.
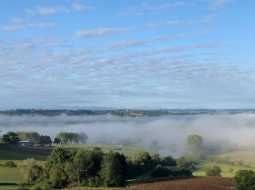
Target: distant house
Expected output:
[26,143]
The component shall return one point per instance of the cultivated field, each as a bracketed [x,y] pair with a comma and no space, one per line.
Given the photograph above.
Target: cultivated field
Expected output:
[200,183]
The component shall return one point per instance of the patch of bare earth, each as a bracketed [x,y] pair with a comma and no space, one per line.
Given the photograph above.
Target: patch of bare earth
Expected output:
[201,183]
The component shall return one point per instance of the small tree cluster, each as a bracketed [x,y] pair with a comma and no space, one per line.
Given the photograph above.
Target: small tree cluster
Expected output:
[33,137]
[195,147]
[245,180]
[213,171]
[70,138]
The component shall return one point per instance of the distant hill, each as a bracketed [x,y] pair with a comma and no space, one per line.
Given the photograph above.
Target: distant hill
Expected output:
[121,112]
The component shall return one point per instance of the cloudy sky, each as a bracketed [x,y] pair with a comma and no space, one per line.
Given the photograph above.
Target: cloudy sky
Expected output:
[127,54]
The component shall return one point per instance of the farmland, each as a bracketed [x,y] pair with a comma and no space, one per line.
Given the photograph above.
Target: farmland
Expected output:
[199,183]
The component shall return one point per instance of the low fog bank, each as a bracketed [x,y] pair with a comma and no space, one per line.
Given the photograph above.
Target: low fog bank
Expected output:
[166,133]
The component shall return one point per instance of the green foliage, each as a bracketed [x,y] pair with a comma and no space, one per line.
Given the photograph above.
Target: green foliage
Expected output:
[68,137]
[31,171]
[55,167]
[58,178]
[164,171]
[213,171]
[45,140]
[114,169]
[186,163]
[195,147]
[88,163]
[245,180]
[10,138]
[57,157]
[34,137]
[43,185]
[10,164]
[168,161]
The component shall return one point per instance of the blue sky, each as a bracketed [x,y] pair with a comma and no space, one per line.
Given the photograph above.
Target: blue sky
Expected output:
[127,54]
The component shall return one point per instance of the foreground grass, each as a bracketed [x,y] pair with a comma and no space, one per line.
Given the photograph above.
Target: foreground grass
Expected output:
[10,175]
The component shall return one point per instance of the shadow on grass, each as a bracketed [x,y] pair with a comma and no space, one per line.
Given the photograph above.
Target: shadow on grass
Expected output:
[8,184]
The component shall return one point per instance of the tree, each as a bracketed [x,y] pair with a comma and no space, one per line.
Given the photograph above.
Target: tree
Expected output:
[185,163]
[57,140]
[34,137]
[168,161]
[245,180]
[88,163]
[195,146]
[55,167]
[58,157]
[83,137]
[31,171]
[10,138]
[45,140]
[68,137]
[58,177]
[213,171]
[114,169]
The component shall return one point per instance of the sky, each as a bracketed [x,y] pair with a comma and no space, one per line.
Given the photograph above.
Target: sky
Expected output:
[150,54]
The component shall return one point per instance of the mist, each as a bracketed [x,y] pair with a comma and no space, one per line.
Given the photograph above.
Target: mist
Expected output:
[167,133]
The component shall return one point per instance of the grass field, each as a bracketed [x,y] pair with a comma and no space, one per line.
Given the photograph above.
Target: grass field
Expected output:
[10,175]
[9,178]
[13,152]
[229,163]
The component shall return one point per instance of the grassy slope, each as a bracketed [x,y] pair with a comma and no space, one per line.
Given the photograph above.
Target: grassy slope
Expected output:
[10,175]
[240,160]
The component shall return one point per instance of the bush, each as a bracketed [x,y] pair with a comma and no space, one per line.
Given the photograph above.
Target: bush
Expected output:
[245,180]
[43,185]
[31,171]
[10,164]
[10,138]
[213,171]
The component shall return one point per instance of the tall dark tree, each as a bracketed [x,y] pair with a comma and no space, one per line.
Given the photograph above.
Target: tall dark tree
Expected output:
[114,169]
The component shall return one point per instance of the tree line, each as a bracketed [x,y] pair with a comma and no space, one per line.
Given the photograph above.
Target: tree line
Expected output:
[93,168]
[38,139]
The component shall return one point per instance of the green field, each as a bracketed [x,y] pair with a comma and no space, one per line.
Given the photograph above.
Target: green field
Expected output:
[13,152]
[10,178]
[229,163]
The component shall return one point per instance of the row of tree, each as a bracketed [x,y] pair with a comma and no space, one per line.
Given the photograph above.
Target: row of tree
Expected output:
[37,139]
[95,168]
[33,137]
[70,138]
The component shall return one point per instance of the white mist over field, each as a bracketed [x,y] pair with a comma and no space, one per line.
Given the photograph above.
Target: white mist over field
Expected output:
[168,133]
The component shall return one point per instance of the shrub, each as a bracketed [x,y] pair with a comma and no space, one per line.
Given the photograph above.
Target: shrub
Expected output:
[43,185]
[10,164]
[31,171]
[213,171]
[245,180]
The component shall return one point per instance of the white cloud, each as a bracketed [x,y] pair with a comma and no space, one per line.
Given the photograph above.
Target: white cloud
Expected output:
[20,24]
[99,32]
[218,4]
[74,6]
